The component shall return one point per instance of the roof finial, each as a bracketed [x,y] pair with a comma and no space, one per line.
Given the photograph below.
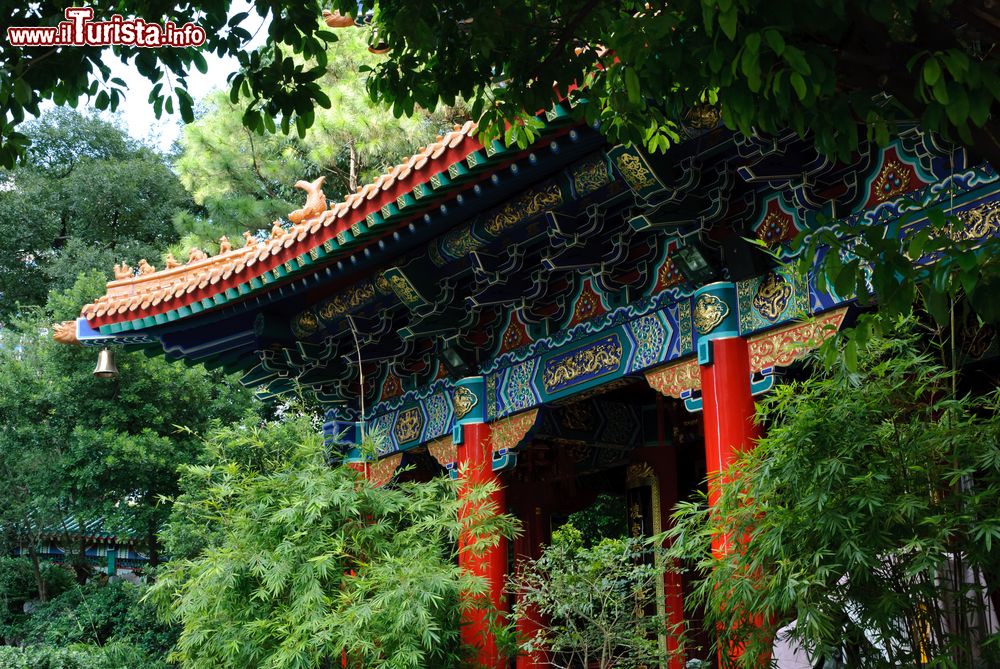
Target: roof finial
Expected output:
[315,200]
[123,271]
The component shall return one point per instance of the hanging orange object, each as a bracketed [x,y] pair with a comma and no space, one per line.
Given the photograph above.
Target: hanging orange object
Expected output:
[337,20]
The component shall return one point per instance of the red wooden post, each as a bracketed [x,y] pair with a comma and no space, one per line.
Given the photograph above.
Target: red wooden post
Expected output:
[663,462]
[475,466]
[530,547]
[727,400]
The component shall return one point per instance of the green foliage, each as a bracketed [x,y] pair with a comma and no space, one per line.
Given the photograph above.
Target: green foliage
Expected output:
[587,598]
[74,445]
[276,85]
[90,627]
[87,197]
[604,519]
[199,514]
[815,66]
[245,181]
[49,658]
[641,70]
[18,585]
[99,615]
[868,514]
[112,656]
[303,560]
[939,267]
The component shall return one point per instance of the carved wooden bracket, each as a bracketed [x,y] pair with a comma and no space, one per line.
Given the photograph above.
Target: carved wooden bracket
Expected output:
[776,348]
[443,450]
[508,433]
[380,473]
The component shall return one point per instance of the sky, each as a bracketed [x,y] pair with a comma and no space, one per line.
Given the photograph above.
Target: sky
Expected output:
[137,113]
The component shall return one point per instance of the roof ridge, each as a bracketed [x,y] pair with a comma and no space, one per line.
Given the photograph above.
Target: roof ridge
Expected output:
[150,287]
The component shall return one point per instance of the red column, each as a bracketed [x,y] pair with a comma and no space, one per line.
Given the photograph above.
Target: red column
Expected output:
[663,460]
[673,585]
[475,467]
[728,409]
[529,546]
[727,401]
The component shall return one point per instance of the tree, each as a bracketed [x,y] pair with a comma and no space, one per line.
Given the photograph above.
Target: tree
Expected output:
[275,84]
[867,514]
[304,561]
[244,180]
[88,196]
[818,67]
[604,519]
[593,604]
[75,446]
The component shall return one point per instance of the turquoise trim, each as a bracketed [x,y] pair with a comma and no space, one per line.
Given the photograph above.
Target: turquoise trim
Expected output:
[715,311]
[465,390]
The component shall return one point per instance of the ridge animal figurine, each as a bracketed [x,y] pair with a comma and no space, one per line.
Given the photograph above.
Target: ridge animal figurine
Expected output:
[224,245]
[277,230]
[315,200]
[145,268]
[249,240]
[123,271]
[194,253]
[171,261]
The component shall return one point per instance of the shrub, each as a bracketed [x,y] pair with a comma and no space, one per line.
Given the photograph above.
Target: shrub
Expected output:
[17,581]
[112,656]
[868,514]
[100,614]
[47,658]
[595,604]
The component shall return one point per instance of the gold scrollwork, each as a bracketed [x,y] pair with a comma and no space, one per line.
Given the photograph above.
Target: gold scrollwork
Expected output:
[508,433]
[891,181]
[783,346]
[675,378]
[591,175]
[408,425]
[443,450]
[403,289]
[522,207]
[709,312]
[567,370]
[380,472]
[775,228]
[772,296]
[981,222]
[382,284]
[306,324]
[638,177]
[464,401]
[349,299]
[461,243]
[704,116]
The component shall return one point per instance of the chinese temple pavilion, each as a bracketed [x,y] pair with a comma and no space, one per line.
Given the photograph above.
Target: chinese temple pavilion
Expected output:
[567,319]
[111,551]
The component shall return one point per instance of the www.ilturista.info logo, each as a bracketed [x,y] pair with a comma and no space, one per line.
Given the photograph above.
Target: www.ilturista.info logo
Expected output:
[80,30]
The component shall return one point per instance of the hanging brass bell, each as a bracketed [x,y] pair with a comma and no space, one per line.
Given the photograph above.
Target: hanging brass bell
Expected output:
[106,367]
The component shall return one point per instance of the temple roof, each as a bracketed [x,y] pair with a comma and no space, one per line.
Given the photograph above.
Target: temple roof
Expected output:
[91,529]
[150,294]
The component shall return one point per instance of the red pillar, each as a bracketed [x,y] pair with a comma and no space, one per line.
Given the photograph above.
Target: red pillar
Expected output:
[663,461]
[728,409]
[529,546]
[727,400]
[475,463]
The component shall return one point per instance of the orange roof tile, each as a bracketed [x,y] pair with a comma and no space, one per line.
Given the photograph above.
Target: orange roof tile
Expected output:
[157,292]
